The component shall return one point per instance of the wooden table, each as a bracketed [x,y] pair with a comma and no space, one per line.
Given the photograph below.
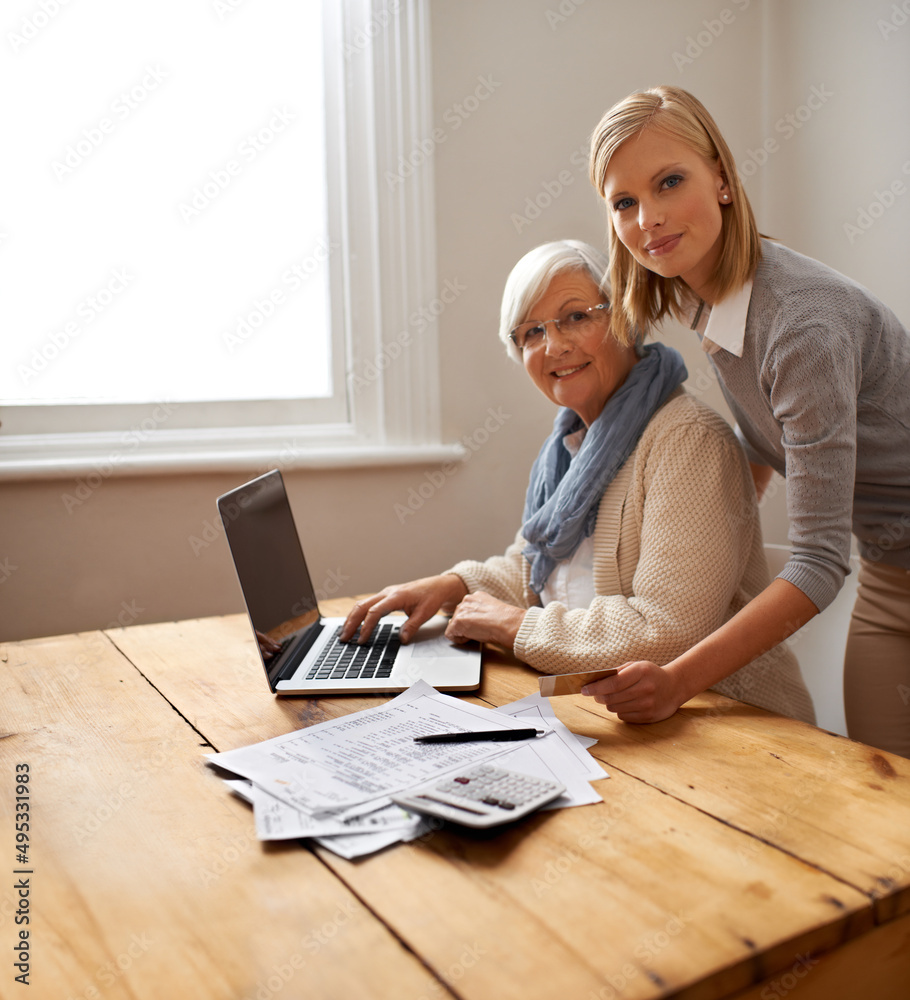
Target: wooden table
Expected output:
[736,853]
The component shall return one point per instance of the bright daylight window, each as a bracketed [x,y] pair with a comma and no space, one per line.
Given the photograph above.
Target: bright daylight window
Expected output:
[195,251]
[167,235]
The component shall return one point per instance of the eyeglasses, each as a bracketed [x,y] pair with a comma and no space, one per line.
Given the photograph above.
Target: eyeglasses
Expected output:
[578,322]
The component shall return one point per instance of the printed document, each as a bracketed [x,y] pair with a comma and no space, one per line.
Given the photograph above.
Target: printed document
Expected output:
[367,755]
[330,782]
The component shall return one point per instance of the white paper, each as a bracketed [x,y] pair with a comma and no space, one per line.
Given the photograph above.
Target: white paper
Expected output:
[330,783]
[539,712]
[365,756]
[276,820]
[358,845]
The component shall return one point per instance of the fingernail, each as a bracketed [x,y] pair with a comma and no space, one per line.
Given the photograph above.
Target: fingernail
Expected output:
[584,690]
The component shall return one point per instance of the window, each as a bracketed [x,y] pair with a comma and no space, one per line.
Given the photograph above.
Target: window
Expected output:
[204,267]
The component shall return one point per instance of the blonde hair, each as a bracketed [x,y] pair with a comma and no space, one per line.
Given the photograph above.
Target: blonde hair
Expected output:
[531,276]
[642,297]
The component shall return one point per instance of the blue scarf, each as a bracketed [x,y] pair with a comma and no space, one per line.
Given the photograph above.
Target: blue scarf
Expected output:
[563,495]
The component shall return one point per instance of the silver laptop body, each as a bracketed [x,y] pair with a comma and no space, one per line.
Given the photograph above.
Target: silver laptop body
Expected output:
[296,643]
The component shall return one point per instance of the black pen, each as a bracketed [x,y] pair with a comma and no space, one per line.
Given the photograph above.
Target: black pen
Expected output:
[491,735]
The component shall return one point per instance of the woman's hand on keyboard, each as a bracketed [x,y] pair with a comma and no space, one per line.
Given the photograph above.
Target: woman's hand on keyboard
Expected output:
[419,600]
[485,618]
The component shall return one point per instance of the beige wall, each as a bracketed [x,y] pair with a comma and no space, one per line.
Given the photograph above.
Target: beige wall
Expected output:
[553,67]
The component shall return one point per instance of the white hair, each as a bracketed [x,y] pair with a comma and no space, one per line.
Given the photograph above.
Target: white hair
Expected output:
[531,276]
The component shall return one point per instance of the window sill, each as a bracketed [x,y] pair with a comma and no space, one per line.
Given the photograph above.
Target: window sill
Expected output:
[103,455]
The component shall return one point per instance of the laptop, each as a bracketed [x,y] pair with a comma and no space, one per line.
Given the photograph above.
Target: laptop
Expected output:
[299,648]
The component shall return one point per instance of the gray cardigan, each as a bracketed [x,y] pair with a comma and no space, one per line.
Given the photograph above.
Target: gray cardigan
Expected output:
[822,395]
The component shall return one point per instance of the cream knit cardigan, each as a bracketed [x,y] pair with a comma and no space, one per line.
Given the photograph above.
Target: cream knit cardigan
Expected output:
[677,552]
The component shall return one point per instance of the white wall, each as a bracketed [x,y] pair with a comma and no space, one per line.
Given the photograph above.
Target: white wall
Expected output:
[549,69]
[837,187]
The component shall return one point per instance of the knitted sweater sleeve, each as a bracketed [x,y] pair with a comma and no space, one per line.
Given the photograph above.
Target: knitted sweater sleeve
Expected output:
[694,504]
[811,376]
[499,576]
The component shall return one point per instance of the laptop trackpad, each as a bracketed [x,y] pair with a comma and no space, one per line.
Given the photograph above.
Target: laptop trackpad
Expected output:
[431,642]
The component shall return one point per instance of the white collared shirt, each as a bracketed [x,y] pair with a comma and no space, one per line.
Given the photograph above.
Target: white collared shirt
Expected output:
[572,580]
[723,326]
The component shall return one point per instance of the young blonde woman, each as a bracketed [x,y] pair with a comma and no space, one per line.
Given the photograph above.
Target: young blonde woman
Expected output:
[817,373]
[640,532]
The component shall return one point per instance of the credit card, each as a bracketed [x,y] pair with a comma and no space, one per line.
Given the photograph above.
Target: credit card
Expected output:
[556,684]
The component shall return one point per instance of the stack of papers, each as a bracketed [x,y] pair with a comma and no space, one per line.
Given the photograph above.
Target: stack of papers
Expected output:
[331,782]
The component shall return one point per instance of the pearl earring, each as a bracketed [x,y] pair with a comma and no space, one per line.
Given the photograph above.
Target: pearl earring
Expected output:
[726,197]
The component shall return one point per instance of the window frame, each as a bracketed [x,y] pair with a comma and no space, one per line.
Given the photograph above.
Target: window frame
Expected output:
[385,408]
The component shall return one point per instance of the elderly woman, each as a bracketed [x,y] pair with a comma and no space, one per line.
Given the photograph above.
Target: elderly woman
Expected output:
[640,533]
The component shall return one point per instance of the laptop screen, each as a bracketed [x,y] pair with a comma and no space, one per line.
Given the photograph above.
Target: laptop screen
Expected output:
[270,566]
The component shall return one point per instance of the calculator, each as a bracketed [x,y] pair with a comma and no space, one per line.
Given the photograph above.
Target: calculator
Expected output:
[481,796]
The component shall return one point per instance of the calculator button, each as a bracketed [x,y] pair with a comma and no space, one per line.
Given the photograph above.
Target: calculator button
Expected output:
[483,796]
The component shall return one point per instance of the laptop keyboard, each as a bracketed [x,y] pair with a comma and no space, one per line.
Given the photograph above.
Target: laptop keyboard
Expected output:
[350,660]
